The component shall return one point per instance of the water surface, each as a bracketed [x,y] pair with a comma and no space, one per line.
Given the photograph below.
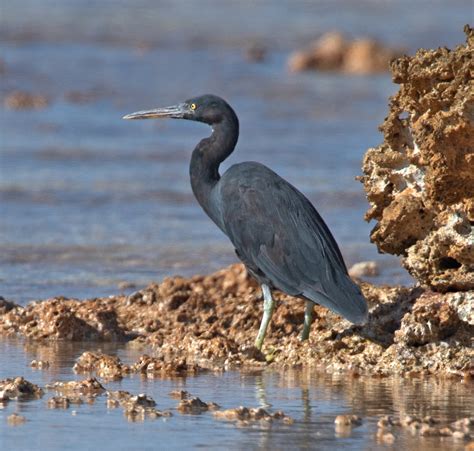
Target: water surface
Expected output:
[312,398]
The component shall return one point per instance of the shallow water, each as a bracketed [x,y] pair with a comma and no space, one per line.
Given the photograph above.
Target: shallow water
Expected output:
[313,399]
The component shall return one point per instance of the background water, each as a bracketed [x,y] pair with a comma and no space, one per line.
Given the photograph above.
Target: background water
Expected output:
[88,200]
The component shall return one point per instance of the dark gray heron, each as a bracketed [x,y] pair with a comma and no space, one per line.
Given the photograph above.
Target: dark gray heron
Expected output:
[276,231]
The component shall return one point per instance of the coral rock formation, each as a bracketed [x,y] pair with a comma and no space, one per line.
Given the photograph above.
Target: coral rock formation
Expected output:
[420,180]
[211,322]
[335,53]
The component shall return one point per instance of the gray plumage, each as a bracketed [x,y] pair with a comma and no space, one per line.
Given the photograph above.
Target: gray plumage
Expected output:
[283,241]
[276,231]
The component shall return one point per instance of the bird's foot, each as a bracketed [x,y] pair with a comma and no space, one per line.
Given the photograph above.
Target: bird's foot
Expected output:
[308,319]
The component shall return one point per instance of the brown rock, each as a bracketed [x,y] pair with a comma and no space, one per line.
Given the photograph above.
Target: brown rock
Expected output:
[158,366]
[39,364]
[388,438]
[19,100]
[361,269]
[348,420]
[6,306]
[333,52]
[103,365]
[195,406]
[180,394]
[112,403]
[247,415]
[19,388]
[420,181]
[210,323]
[58,402]
[429,321]
[15,419]
[89,386]
[255,52]
[138,400]
[428,431]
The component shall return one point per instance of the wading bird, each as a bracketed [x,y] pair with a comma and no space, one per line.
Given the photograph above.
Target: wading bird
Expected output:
[276,231]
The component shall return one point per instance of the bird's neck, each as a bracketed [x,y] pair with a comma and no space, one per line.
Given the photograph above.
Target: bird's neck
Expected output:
[206,159]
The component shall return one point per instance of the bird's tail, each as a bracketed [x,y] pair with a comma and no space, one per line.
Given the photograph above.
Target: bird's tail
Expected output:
[343,296]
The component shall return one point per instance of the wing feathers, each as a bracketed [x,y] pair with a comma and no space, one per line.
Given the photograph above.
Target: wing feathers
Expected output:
[276,229]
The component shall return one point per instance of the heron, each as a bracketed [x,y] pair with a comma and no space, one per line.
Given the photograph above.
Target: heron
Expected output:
[276,231]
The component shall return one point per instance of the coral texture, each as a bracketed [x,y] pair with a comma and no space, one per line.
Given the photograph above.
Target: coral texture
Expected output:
[420,180]
[210,322]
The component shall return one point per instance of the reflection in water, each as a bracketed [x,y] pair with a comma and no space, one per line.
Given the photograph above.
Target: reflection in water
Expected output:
[260,393]
[313,399]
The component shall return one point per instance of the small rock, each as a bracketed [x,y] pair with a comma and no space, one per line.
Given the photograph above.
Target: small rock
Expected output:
[407,420]
[464,424]
[179,394]
[244,416]
[106,366]
[427,430]
[112,403]
[367,269]
[140,413]
[39,364]
[20,100]
[58,402]
[348,420]
[140,400]
[89,386]
[6,306]
[19,388]
[388,438]
[333,52]
[460,435]
[195,406]
[3,396]
[255,53]
[15,420]
[119,395]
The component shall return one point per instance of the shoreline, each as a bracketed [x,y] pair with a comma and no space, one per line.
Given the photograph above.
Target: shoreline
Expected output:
[210,322]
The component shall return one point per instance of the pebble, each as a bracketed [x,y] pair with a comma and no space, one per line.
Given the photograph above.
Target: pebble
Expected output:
[58,402]
[15,419]
[367,269]
[348,420]
[39,364]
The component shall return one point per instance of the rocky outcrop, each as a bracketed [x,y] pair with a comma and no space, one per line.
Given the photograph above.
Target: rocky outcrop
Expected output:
[420,180]
[333,52]
[210,322]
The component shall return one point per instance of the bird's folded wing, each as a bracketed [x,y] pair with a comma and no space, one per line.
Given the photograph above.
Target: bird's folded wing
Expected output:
[275,229]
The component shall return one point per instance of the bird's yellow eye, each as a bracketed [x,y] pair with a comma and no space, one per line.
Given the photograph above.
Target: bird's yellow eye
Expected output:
[193,106]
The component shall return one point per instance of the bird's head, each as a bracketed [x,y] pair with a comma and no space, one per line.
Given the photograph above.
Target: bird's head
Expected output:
[208,108]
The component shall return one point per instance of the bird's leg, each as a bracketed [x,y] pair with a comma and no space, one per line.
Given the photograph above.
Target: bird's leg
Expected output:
[268,306]
[308,319]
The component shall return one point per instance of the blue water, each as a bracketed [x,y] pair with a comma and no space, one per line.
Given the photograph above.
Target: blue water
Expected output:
[312,399]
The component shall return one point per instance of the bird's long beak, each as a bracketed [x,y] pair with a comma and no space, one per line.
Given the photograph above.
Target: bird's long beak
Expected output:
[175,111]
